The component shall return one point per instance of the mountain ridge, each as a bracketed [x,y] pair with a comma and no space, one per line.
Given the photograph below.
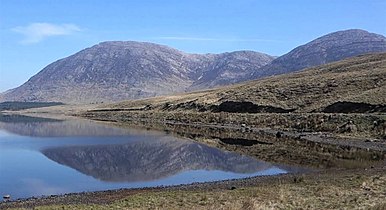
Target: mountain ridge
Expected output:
[124,70]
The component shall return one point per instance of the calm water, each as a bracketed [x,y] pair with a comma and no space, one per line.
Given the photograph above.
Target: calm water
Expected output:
[45,157]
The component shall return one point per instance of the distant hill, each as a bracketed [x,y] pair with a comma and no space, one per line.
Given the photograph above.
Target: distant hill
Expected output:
[15,106]
[357,84]
[116,71]
[326,49]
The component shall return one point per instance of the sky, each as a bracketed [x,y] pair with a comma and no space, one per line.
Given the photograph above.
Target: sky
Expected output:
[35,33]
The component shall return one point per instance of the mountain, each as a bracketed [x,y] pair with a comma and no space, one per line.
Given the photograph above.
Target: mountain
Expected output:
[108,71]
[357,83]
[326,49]
[114,71]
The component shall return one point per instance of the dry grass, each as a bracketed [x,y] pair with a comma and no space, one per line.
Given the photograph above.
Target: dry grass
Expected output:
[333,191]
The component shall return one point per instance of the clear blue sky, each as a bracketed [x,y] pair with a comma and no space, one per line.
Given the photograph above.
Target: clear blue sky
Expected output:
[35,33]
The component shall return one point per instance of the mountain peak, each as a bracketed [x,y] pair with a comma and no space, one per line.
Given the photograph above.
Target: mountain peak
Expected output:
[358,32]
[348,36]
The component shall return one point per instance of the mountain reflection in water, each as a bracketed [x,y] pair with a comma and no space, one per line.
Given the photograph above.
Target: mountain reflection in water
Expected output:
[150,160]
[98,156]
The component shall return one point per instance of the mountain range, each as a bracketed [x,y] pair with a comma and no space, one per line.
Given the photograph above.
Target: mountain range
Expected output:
[122,70]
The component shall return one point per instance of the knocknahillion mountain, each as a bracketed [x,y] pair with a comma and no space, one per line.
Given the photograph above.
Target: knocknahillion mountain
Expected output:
[118,70]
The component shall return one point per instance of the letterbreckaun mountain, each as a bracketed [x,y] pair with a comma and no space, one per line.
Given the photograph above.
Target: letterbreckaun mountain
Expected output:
[115,71]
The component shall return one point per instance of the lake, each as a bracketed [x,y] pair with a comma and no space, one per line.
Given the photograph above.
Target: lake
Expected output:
[41,156]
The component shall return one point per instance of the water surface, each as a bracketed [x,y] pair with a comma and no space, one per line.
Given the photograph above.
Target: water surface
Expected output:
[41,156]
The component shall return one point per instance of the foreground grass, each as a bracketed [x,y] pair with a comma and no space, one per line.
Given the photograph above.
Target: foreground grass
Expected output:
[327,191]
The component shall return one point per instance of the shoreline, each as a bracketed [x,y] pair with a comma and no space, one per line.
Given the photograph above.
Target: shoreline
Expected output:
[298,180]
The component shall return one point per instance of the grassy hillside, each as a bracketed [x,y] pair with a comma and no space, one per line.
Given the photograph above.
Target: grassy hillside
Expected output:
[360,79]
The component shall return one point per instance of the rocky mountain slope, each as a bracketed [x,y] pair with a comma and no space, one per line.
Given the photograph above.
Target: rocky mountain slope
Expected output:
[326,49]
[115,71]
[230,68]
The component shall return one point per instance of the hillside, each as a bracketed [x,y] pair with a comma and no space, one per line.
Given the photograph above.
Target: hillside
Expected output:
[360,79]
